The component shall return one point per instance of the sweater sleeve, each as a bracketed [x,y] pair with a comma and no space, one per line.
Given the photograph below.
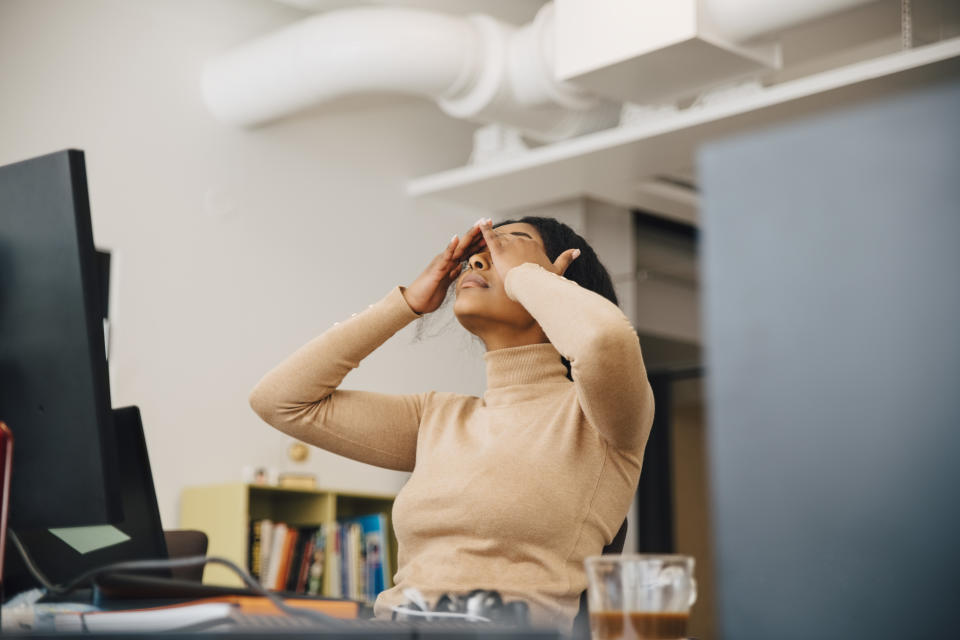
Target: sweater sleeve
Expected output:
[300,396]
[602,347]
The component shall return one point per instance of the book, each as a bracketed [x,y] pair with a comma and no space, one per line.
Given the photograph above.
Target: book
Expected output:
[297,574]
[317,563]
[255,548]
[289,543]
[266,544]
[351,561]
[346,559]
[359,562]
[293,570]
[278,538]
[333,575]
[370,555]
[306,556]
[209,610]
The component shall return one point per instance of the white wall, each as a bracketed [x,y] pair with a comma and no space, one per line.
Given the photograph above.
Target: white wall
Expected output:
[233,247]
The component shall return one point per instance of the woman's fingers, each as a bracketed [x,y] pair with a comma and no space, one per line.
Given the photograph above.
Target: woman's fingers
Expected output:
[452,247]
[490,236]
[564,260]
[459,249]
[471,241]
[449,253]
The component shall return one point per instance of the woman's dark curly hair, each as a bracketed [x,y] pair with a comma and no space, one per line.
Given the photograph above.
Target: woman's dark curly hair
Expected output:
[586,270]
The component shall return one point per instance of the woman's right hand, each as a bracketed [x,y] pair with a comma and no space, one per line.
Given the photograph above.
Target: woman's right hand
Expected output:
[426,293]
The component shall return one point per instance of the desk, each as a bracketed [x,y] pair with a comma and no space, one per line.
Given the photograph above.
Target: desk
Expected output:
[400,632]
[218,619]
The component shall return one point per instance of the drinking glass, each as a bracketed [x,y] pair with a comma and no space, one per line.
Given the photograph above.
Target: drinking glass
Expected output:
[641,597]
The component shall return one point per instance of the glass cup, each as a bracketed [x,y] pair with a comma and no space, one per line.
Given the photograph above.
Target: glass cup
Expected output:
[640,597]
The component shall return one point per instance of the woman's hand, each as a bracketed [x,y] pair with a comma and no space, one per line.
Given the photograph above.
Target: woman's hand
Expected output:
[426,293]
[508,251]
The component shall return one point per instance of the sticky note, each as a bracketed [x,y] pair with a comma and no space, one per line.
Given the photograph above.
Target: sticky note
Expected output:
[87,539]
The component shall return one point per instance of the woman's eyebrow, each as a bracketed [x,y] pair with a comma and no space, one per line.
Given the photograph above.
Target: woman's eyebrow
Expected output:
[521,233]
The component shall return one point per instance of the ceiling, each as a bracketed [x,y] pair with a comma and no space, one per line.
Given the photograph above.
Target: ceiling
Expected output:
[511,11]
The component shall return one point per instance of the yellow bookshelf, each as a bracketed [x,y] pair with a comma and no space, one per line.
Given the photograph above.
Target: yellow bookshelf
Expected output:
[224,512]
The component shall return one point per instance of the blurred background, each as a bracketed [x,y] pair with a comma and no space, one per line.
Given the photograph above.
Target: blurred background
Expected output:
[261,169]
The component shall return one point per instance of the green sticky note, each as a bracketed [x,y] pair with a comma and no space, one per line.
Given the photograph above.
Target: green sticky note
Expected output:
[87,539]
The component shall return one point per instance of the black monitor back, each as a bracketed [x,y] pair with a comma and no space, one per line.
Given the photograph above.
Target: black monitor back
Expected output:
[140,523]
[831,255]
[54,389]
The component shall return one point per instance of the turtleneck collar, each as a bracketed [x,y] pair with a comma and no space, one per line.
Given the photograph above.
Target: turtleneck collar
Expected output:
[530,364]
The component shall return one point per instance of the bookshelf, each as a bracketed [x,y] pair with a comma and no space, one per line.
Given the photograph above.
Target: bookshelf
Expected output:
[225,512]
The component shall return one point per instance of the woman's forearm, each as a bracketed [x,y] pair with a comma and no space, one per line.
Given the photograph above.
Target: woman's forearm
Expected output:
[299,396]
[601,345]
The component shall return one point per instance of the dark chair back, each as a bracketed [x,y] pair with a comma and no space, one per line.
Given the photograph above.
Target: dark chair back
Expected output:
[186,543]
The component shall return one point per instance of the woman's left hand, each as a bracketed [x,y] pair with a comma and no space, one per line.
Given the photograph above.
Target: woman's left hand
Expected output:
[508,251]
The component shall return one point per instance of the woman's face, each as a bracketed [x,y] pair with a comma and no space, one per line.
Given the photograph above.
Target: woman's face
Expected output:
[481,303]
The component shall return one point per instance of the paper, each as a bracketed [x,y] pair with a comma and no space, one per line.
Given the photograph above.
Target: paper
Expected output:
[87,539]
[144,620]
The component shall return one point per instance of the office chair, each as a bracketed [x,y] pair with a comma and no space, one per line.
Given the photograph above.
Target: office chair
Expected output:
[185,543]
[581,624]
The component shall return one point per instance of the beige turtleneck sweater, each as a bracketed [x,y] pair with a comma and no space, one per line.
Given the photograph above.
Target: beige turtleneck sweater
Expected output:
[511,490]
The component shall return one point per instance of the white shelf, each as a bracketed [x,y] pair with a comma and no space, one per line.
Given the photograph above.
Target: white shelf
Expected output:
[608,165]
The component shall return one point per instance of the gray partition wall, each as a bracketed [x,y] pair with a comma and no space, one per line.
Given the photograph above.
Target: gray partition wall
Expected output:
[831,270]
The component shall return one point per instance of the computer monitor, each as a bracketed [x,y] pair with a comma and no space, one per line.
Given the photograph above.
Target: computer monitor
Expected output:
[54,389]
[64,554]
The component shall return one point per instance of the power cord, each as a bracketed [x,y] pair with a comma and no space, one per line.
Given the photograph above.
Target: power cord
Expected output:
[143,565]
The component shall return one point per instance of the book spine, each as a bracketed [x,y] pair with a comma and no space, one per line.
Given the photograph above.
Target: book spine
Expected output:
[336,576]
[359,562]
[289,543]
[386,578]
[374,569]
[253,549]
[368,555]
[306,556]
[296,555]
[278,537]
[266,543]
[344,540]
[317,565]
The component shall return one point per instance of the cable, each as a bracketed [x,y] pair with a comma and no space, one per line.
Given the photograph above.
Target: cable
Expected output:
[31,565]
[142,565]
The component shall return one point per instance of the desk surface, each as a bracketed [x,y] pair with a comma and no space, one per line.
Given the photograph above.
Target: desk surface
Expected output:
[400,631]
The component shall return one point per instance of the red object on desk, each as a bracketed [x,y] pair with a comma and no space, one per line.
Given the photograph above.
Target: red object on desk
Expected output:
[6,461]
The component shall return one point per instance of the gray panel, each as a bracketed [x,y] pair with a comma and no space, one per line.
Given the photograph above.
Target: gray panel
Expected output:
[832,308]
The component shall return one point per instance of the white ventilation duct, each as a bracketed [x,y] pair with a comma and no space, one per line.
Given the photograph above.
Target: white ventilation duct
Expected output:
[474,67]
[742,20]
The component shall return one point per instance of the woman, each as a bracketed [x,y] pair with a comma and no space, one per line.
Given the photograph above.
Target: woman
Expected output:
[511,490]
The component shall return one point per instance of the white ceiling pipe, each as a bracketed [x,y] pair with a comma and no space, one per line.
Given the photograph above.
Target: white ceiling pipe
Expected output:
[340,53]
[517,87]
[741,20]
[475,67]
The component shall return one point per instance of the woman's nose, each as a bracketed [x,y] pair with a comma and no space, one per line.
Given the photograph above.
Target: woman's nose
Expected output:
[479,261]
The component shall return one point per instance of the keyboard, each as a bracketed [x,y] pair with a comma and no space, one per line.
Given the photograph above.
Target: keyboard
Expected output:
[454,629]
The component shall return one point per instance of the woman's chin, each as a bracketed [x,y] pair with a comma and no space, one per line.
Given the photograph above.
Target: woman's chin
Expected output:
[470,313]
